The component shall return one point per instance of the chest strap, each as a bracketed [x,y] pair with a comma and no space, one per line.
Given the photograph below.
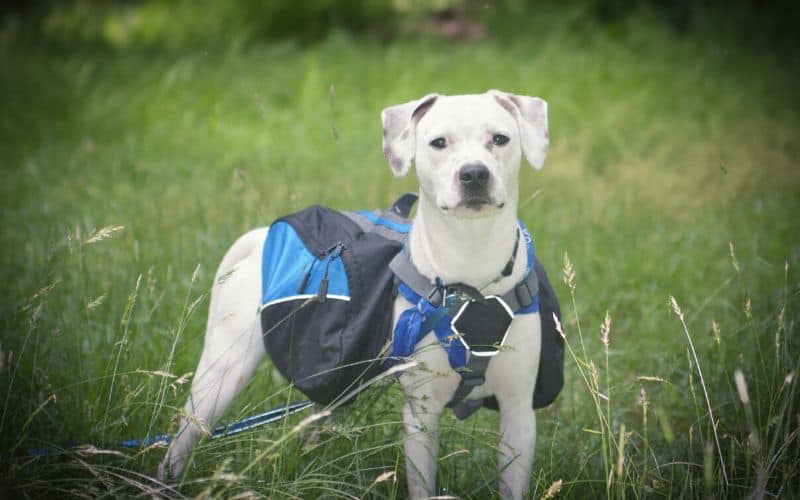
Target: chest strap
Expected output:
[521,297]
[473,376]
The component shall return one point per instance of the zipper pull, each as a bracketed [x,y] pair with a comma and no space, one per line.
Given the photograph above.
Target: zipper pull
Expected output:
[306,277]
[304,282]
[333,253]
[322,294]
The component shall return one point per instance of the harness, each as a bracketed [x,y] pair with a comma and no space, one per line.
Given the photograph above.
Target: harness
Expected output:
[471,327]
[329,281]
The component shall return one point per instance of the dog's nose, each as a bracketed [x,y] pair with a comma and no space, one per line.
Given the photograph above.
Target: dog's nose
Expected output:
[474,175]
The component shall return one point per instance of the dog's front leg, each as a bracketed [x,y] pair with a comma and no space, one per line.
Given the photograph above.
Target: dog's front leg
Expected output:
[421,421]
[517,442]
[513,374]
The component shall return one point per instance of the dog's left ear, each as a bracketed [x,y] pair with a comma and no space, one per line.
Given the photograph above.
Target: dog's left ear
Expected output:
[531,116]
[399,132]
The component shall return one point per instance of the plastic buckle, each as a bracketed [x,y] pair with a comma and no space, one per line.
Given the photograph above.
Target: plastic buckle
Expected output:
[523,293]
[455,297]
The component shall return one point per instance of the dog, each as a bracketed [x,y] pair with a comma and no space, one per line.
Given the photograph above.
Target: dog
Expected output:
[467,151]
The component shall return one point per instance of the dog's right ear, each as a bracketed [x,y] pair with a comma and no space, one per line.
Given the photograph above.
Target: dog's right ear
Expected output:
[399,132]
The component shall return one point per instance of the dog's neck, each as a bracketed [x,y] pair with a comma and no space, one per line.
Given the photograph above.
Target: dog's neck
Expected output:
[466,250]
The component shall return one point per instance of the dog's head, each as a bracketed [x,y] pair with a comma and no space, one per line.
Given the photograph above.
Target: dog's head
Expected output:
[466,148]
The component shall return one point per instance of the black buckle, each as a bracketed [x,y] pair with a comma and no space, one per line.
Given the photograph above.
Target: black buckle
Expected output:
[523,293]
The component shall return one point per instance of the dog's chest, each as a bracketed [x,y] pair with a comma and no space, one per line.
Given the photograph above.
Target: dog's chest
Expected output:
[515,365]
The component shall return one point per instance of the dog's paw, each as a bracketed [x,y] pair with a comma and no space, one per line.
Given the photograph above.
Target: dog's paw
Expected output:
[165,470]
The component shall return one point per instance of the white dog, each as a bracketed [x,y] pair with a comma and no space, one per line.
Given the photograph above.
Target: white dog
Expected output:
[467,152]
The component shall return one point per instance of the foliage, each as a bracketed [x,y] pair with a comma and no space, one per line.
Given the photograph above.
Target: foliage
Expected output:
[672,173]
[201,24]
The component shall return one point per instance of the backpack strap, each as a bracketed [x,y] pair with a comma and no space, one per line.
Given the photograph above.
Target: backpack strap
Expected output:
[406,272]
[392,224]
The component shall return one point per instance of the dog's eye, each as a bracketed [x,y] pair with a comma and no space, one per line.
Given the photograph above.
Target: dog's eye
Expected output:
[500,139]
[438,143]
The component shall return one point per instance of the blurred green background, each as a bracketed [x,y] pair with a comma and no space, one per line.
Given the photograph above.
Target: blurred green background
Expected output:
[138,139]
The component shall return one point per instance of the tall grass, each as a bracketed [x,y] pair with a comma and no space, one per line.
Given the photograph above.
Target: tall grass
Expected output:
[745,467]
[125,175]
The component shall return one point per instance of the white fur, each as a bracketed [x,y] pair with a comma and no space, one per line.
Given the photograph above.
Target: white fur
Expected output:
[451,240]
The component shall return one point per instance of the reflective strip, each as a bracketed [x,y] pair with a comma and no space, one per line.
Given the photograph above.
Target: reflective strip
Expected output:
[303,296]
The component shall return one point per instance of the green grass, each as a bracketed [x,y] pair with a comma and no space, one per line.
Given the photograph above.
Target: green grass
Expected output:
[665,152]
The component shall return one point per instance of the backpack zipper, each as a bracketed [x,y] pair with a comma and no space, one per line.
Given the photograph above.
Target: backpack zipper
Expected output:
[332,253]
[306,277]
[335,251]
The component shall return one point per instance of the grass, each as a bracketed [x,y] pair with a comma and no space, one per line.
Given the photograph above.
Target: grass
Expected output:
[672,173]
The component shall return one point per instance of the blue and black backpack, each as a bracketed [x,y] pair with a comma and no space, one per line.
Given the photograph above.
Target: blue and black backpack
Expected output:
[328,293]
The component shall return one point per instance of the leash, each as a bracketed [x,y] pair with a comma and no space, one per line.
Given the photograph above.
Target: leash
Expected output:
[221,431]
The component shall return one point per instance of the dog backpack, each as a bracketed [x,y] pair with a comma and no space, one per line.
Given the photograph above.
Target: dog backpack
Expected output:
[328,294]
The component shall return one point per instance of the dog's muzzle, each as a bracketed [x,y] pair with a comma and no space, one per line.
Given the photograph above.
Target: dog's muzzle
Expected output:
[475,180]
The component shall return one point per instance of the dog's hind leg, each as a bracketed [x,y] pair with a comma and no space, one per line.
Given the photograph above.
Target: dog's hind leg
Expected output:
[232,350]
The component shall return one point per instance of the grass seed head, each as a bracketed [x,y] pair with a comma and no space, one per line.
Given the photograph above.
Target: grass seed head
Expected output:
[675,307]
[569,273]
[734,260]
[553,490]
[104,233]
[95,303]
[196,273]
[741,387]
[642,400]
[386,476]
[605,329]
[715,332]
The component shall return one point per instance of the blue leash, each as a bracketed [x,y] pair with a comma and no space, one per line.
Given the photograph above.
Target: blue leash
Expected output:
[222,431]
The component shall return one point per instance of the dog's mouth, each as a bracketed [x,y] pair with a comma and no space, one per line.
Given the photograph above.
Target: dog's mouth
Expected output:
[479,202]
[476,204]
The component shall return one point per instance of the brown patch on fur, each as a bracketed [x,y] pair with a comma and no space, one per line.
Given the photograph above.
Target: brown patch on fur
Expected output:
[423,108]
[508,106]
[394,162]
